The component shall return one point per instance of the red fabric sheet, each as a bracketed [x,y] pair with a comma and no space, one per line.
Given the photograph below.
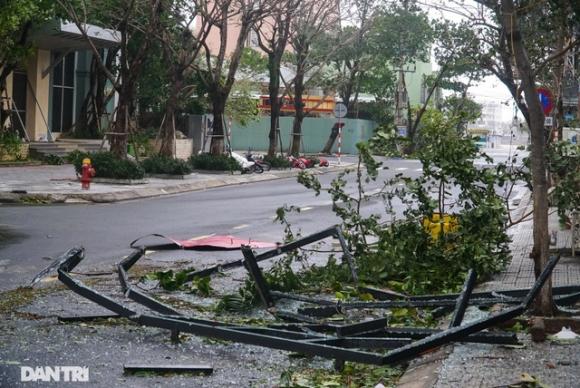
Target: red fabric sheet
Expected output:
[222,242]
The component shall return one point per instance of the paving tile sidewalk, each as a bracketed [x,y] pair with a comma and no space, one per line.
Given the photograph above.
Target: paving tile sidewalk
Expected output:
[57,184]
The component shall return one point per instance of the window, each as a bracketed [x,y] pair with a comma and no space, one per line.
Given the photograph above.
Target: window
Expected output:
[63,88]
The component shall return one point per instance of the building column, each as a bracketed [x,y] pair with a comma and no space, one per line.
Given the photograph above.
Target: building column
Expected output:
[37,96]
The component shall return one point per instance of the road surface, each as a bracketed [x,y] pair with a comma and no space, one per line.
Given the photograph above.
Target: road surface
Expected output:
[30,234]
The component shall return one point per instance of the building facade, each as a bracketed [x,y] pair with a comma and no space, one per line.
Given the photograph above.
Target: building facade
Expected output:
[45,94]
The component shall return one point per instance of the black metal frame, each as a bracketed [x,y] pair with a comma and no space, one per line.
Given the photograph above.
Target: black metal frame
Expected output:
[312,339]
[323,339]
[508,295]
[463,299]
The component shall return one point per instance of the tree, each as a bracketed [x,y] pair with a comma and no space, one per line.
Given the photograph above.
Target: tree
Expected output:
[463,108]
[136,21]
[219,69]
[356,59]
[514,41]
[17,18]
[454,69]
[181,47]
[402,34]
[94,105]
[273,33]
[352,61]
[308,24]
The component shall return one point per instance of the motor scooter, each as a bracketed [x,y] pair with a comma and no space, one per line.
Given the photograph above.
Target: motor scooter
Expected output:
[246,165]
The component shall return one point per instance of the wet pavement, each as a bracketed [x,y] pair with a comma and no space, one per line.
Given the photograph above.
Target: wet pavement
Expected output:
[32,335]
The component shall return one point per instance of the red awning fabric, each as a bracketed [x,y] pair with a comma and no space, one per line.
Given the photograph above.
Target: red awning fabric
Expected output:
[216,242]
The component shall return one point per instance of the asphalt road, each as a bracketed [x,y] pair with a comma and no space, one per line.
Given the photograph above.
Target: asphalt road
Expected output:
[30,233]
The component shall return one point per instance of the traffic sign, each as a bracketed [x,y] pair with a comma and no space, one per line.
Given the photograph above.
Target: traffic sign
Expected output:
[546,99]
[340,110]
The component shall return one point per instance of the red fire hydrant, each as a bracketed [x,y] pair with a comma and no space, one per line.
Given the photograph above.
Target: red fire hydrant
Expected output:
[87,173]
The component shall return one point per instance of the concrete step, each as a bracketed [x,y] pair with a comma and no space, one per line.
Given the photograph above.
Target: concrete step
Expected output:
[80,141]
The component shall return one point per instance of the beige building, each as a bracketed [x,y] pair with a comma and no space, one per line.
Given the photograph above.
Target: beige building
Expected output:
[44,94]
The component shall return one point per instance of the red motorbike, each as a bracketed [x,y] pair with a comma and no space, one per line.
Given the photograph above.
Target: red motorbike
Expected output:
[303,163]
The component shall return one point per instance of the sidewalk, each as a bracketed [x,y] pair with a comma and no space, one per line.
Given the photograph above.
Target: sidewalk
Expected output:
[482,365]
[58,184]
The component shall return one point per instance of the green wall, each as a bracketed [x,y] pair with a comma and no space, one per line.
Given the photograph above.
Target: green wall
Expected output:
[315,130]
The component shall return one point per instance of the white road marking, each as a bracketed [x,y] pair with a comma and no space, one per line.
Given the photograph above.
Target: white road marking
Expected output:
[418,169]
[401,169]
[306,208]
[242,226]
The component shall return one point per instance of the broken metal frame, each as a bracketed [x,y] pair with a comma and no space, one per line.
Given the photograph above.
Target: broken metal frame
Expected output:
[268,337]
[501,338]
[330,308]
[507,294]
[463,299]
[309,343]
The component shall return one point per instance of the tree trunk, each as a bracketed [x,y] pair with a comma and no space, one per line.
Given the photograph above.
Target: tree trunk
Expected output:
[171,106]
[299,117]
[331,139]
[7,66]
[345,95]
[543,304]
[121,125]
[274,90]
[167,147]
[93,106]
[217,139]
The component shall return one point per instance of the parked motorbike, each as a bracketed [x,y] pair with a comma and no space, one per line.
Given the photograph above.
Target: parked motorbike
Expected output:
[265,165]
[303,163]
[246,165]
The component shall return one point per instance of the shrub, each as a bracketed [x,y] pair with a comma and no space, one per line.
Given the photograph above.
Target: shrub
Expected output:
[214,162]
[278,161]
[165,165]
[10,145]
[106,165]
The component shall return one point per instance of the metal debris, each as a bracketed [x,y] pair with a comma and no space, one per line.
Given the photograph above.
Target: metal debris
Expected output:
[55,264]
[308,336]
